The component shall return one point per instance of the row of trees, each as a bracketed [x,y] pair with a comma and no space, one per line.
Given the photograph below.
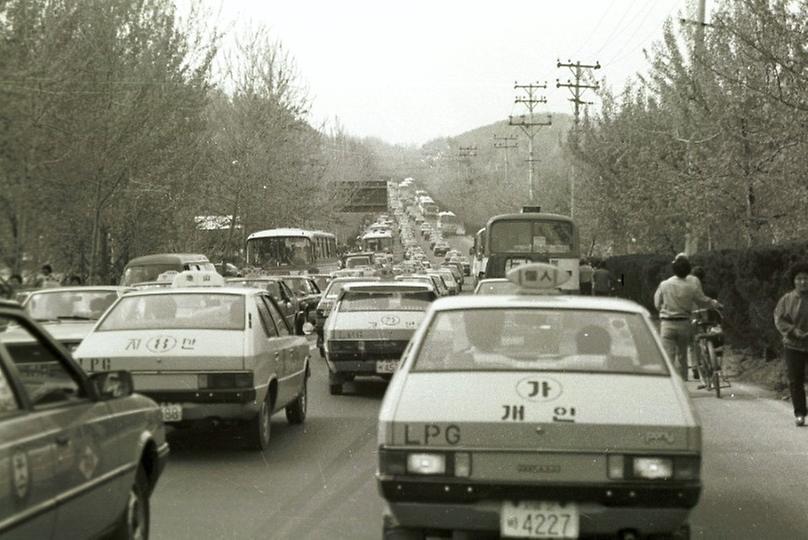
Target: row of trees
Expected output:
[707,149]
[121,123]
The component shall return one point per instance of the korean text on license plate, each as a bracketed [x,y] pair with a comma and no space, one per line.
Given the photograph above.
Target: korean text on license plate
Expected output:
[539,520]
[172,412]
[386,366]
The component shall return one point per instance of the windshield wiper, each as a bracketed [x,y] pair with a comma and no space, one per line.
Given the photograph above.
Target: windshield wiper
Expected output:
[74,318]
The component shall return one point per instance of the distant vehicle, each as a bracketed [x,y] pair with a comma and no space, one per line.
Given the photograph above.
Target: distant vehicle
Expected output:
[81,453]
[369,328]
[69,313]
[515,239]
[227,269]
[378,242]
[497,422]
[292,251]
[440,249]
[327,301]
[495,286]
[447,223]
[428,207]
[287,301]
[148,267]
[206,352]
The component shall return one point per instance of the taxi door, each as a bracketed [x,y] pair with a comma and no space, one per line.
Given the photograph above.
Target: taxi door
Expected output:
[26,464]
[295,350]
[83,437]
[269,354]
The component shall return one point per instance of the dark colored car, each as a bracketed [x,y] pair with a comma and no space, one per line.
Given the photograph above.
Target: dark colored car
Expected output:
[308,295]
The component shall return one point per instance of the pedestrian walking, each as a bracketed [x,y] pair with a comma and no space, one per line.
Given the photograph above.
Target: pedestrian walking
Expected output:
[791,320]
[585,272]
[675,299]
[601,280]
[45,278]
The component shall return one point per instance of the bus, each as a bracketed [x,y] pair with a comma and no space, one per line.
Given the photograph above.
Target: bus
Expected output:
[447,222]
[427,206]
[532,236]
[478,252]
[292,251]
[378,242]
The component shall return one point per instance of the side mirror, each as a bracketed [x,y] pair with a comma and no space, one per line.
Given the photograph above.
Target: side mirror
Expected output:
[308,328]
[112,384]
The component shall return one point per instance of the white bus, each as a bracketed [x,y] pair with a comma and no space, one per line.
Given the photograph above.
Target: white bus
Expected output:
[378,242]
[447,222]
[293,251]
[427,206]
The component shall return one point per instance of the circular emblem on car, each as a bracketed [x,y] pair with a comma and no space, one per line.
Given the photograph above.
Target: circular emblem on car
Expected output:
[390,320]
[539,388]
[161,344]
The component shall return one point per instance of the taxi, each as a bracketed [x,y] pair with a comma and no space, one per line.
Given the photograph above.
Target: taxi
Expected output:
[79,455]
[537,415]
[369,328]
[495,286]
[327,301]
[69,313]
[206,353]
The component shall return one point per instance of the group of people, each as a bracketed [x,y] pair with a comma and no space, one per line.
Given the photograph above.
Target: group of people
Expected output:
[595,278]
[45,278]
[677,297]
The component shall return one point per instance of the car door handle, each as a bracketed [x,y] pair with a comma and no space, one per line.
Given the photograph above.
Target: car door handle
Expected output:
[62,440]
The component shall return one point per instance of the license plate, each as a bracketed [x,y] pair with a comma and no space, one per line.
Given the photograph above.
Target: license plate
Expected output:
[386,366]
[172,412]
[539,520]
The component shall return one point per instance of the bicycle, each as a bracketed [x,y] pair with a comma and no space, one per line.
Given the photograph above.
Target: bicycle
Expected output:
[708,339]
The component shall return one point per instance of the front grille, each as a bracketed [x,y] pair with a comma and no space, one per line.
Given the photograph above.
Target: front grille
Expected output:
[366,350]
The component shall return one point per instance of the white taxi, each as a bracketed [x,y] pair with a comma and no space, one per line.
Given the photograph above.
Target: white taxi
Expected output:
[538,416]
[370,326]
[205,352]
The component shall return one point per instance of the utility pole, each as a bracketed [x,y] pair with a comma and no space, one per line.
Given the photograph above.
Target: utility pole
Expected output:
[576,89]
[506,143]
[463,155]
[529,125]
[691,238]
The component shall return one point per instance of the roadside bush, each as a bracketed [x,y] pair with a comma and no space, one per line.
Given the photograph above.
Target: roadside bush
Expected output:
[747,282]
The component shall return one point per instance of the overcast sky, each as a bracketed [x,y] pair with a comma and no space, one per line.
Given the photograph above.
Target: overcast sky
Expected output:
[408,71]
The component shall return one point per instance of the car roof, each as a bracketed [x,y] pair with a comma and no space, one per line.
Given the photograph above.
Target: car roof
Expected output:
[550,301]
[168,258]
[387,286]
[243,291]
[79,288]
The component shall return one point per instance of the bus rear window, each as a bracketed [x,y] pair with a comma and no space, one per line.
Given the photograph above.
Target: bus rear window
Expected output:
[551,237]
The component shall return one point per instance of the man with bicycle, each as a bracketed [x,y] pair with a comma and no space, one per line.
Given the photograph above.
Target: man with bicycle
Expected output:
[675,299]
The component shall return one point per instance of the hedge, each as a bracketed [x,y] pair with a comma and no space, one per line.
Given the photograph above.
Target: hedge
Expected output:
[747,282]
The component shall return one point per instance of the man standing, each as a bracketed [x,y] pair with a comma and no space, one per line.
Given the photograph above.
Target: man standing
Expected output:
[601,280]
[585,277]
[44,277]
[675,299]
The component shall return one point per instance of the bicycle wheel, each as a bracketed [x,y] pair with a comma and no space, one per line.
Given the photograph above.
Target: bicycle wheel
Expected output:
[716,368]
[703,363]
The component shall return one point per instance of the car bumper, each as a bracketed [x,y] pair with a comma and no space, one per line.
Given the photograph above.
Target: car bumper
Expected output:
[357,367]
[211,404]
[603,509]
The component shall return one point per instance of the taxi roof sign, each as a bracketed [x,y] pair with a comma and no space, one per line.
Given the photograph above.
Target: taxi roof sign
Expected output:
[198,278]
[538,278]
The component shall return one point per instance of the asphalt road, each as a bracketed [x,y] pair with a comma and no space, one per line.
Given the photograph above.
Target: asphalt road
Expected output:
[316,480]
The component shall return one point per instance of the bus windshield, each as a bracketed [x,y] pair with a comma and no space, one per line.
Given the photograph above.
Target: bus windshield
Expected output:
[279,251]
[521,236]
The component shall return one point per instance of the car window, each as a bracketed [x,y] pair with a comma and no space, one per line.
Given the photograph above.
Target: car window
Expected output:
[386,300]
[266,319]
[69,305]
[44,375]
[280,322]
[540,340]
[176,311]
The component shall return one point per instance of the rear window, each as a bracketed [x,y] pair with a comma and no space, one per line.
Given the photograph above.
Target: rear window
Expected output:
[176,312]
[69,305]
[540,340]
[386,301]
[147,272]
[354,262]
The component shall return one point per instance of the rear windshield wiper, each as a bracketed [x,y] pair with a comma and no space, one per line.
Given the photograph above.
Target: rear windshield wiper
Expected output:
[74,318]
